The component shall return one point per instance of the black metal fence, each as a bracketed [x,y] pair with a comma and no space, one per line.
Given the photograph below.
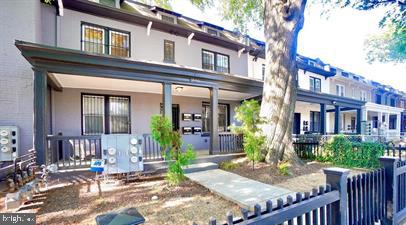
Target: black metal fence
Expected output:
[367,199]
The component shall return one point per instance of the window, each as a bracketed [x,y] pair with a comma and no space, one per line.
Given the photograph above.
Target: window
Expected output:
[363,95]
[345,74]
[315,122]
[315,84]
[167,18]
[392,122]
[263,71]
[340,90]
[104,40]
[103,114]
[169,51]
[175,115]
[212,31]
[378,99]
[392,102]
[215,61]
[223,117]
[353,123]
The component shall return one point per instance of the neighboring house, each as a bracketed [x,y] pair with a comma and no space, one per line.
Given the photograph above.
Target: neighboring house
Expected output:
[91,68]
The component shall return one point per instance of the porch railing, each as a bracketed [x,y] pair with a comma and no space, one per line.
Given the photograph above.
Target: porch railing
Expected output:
[73,151]
[230,143]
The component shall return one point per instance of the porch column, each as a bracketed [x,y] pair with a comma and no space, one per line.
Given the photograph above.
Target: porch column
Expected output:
[398,123]
[337,119]
[323,118]
[214,125]
[359,114]
[40,106]
[167,100]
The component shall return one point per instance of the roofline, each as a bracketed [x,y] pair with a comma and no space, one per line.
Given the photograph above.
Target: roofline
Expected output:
[119,14]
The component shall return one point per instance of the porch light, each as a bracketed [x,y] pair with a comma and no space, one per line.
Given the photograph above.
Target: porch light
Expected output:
[179,89]
[189,38]
[149,28]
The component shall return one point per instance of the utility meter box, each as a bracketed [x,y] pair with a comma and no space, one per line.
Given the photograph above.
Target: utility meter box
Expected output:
[9,143]
[122,153]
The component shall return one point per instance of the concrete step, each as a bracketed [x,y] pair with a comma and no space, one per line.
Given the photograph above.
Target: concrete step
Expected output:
[200,167]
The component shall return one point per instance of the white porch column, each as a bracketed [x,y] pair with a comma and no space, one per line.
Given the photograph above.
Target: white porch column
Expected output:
[398,123]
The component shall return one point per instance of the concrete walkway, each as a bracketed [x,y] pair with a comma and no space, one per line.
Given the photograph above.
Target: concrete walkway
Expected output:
[243,191]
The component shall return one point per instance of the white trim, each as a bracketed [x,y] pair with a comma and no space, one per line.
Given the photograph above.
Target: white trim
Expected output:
[189,38]
[149,28]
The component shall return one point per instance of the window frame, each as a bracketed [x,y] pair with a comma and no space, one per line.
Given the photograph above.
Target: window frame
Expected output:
[312,122]
[106,119]
[215,60]
[392,123]
[228,121]
[313,79]
[342,88]
[168,60]
[106,38]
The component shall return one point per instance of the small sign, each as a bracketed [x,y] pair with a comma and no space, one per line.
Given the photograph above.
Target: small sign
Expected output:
[97,165]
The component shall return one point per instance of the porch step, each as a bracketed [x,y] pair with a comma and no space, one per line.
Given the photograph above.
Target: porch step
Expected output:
[200,167]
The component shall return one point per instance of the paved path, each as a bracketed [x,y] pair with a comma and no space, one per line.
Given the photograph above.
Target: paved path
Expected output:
[243,191]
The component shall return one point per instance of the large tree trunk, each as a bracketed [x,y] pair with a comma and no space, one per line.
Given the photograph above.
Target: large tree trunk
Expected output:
[282,22]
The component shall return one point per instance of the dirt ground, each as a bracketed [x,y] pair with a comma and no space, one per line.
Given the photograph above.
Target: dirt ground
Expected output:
[188,203]
[300,178]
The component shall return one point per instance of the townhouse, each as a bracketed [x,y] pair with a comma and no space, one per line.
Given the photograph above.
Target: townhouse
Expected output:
[77,69]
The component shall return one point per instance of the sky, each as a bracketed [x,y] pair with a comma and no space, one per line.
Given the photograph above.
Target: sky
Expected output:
[337,39]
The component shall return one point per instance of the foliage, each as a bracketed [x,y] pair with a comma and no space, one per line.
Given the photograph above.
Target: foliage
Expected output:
[283,169]
[391,45]
[248,114]
[171,143]
[343,152]
[228,165]
[161,131]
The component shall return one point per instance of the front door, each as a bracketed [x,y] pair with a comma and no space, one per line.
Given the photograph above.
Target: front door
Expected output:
[296,123]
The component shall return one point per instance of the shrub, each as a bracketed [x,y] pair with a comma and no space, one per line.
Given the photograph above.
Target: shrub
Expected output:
[283,169]
[248,114]
[228,165]
[171,145]
[343,152]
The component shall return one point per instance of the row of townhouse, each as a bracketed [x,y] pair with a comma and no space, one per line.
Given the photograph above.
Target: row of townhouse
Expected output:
[91,67]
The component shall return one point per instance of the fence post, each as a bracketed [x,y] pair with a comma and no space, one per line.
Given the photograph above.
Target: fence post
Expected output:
[388,163]
[337,179]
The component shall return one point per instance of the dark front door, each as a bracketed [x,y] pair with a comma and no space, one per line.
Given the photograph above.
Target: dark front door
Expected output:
[175,117]
[296,123]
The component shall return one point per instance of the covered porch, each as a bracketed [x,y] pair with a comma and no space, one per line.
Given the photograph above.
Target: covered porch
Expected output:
[383,120]
[79,95]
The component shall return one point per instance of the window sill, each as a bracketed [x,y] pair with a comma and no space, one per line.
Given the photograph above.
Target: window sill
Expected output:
[169,61]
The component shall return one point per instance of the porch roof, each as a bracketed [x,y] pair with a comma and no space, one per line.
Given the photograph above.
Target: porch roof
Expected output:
[328,99]
[69,61]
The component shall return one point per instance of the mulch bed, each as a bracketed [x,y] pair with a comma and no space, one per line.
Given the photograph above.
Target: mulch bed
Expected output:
[187,203]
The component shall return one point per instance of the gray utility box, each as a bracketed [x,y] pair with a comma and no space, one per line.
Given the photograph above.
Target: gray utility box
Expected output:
[122,153]
[9,143]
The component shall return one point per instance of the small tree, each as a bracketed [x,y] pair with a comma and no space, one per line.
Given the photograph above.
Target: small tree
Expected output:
[171,144]
[248,114]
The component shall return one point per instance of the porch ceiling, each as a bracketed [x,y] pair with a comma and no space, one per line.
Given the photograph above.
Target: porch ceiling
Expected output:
[110,84]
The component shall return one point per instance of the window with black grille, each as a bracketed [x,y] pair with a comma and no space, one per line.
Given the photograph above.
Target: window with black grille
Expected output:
[105,40]
[215,61]
[105,114]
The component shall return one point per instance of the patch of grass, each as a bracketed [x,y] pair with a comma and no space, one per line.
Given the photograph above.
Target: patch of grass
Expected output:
[228,165]
[283,169]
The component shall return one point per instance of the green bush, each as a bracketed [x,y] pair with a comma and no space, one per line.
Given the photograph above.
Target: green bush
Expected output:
[341,151]
[228,165]
[284,169]
[171,144]
[248,114]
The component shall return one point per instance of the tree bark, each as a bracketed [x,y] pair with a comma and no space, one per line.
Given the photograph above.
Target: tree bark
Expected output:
[283,20]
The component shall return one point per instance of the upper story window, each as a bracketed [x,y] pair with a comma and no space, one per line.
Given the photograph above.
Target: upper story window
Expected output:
[363,96]
[345,74]
[168,18]
[340,90]
[392,102]
[315,84]
[212,31]
[378,99]
[215,61]
[169,51]
[104,40]
[263,71]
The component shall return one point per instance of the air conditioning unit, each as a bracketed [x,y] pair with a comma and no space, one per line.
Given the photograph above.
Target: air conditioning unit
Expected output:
[9,143]
[122,153]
